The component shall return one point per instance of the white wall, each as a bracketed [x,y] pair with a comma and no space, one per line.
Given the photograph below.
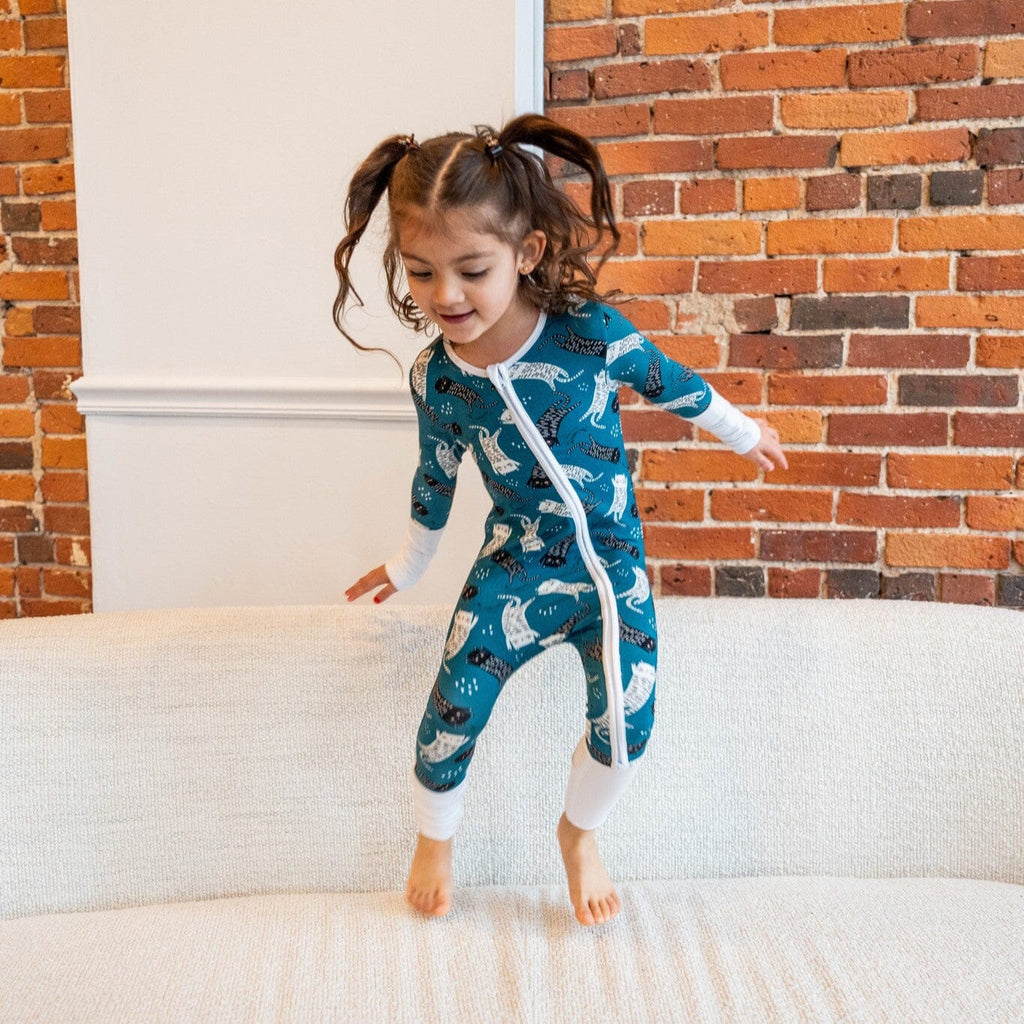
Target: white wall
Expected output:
[240,451]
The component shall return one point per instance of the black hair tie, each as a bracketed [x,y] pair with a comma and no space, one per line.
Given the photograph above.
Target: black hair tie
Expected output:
[409,141]
[493,146]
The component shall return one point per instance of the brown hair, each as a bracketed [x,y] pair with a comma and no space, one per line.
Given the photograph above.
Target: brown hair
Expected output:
[508,190]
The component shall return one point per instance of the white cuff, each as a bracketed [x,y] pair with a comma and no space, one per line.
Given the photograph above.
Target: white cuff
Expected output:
[410,562]
[594,788]
[728,424]
[437,814]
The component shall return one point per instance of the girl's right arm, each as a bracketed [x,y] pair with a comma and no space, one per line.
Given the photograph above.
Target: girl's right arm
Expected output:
[433,488]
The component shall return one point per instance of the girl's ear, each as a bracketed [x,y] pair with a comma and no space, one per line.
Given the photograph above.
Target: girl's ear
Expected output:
[532,247]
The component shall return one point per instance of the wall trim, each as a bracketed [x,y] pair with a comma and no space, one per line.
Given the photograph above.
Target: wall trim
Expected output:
[302,398]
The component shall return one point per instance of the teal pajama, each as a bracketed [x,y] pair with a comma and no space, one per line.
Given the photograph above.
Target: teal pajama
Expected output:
[563,555]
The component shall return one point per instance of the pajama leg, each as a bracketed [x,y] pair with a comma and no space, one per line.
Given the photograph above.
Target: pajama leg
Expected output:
[595,785]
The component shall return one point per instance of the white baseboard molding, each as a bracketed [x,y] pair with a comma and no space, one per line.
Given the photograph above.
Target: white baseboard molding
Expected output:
[303,398]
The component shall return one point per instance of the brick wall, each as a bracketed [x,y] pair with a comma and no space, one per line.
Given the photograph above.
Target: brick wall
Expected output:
[822,207]
[44,517]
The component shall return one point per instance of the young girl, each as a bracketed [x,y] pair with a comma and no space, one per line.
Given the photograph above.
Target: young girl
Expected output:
[524,375]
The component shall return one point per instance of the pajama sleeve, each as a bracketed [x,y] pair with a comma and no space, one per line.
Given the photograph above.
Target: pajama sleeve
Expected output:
[433,488]
[634,360]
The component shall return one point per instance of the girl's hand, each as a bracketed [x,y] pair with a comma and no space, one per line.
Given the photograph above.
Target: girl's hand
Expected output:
[767,453]
[374,578]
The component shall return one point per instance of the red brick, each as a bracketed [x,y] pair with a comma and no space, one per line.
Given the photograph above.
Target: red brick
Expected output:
[947,389]
[909,350]
[66,519]
[64,487]
[647,198]
[50,106]
[897,510]
[831,235]
[579,43]
[796,69]
[42,352]
[14,388]
[63,583]
[670,506]
[776,151]
[794,582]
[1004,514]
[886,429]
[574,10]
[63,453]
[696,350]
[786,351]
[1006,186]
[645,77]
[701,237]
[601,122]
[873,149]
[717,116]
[861,23]
[950,472]
[46,33]
[819,546]
[914,65]
[906,274]
[930,20]
[738,388]
[949,550]
[1004,58]
[996,350]
[975,101]
[32,72]
[835,469]
[990,273]
[629,8]
[757,277]
[686,580]
[648,277]
[966,231]
[573,84]
[845,109]
[32,284]
[989,311]
[698,543]
[771,505]
[706,33]
[771,193]
[653,425]
[698,466]
[809,389]
[963,588]
[989,430]
[656,157]
[40,609]
[19,487]
[716,195]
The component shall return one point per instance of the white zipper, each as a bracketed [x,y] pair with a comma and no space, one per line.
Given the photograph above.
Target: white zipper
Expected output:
[499,375]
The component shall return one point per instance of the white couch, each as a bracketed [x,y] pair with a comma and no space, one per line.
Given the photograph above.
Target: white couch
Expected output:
[205,817]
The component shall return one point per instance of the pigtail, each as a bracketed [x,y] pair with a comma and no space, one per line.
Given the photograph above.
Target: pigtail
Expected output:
[368,184]
[543,133]
[564,277]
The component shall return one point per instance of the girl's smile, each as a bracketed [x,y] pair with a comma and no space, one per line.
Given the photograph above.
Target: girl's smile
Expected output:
[467,282]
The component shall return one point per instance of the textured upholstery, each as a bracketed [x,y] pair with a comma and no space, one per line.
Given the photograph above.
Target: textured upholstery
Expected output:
[159,757]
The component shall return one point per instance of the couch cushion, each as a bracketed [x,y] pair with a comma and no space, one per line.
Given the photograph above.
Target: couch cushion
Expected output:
[154,756]
[743,949]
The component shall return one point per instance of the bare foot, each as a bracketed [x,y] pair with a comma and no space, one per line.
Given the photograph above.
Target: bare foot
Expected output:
[591,889]
[429,888]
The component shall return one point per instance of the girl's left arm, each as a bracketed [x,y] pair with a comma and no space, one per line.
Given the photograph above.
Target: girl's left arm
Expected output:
[635,360]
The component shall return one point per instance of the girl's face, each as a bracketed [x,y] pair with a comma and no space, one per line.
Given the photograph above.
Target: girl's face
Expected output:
[466,281]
